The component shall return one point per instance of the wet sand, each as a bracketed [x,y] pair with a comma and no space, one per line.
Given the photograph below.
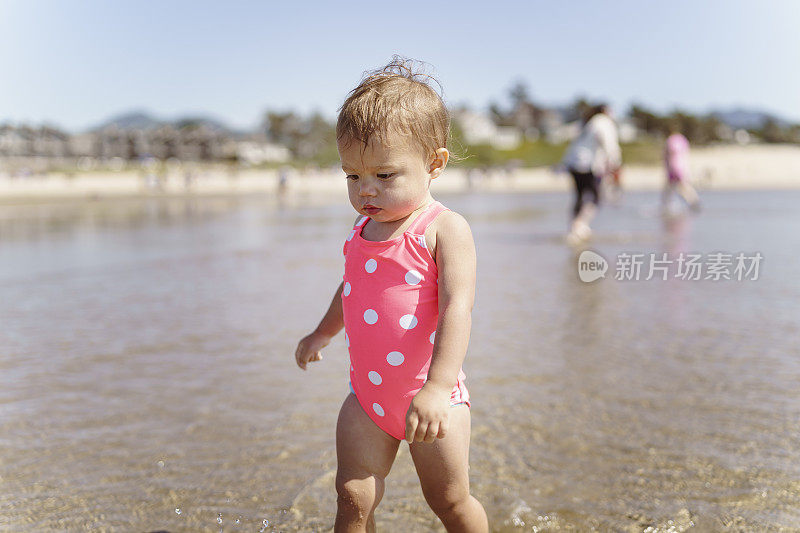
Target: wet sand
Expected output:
[148,381]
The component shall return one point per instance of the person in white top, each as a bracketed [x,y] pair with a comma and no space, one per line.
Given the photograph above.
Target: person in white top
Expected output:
[594,153]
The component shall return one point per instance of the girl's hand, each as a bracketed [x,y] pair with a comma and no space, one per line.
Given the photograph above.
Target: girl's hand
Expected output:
[428,415]
[308,349]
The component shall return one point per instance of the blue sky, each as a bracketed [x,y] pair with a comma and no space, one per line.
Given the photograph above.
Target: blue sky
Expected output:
[76,63]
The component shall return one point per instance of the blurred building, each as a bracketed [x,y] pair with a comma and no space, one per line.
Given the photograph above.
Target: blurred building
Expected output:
[479,128]
[24,146]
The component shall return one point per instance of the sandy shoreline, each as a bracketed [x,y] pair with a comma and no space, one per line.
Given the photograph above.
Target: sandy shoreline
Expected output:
[714,168]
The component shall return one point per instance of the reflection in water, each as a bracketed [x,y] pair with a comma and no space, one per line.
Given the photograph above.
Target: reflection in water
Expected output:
[147,379]
[677,232]
[677,242]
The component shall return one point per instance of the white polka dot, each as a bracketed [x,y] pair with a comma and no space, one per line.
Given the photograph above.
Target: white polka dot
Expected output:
[413,277]
[370,316]
[374,377]
[346,340]
[433,336]
[378,409]
[370,265]
[408,321]
[347,288]
[352,234]
[395,358]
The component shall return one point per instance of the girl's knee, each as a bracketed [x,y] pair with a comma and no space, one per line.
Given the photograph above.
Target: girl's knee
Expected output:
[359,495]
[447,501]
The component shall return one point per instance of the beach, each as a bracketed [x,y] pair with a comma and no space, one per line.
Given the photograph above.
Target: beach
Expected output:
[148,381]
[236,243]
[713,168]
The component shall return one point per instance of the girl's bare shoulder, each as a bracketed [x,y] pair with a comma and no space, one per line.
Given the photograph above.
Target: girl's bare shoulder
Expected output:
[448,226]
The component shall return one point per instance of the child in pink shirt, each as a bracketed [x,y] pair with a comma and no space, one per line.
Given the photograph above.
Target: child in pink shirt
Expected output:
[676,161]
[676,157]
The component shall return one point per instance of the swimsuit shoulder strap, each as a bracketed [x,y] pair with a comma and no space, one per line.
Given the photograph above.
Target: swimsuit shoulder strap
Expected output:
[356,229]
[425,218]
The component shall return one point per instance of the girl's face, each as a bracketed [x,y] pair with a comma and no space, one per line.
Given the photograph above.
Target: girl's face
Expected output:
[388,180]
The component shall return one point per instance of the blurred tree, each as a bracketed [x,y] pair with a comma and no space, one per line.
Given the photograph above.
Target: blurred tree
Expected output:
[498,116]
[579,109]
[525,114]
[519,94]
[688,125]
[283,128]
[317,136]
[794,133]
[309,139]
[697,129]
[772,132]
[646,120]
[711,127]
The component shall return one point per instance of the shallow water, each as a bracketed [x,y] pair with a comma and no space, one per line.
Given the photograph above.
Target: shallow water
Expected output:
[147,378]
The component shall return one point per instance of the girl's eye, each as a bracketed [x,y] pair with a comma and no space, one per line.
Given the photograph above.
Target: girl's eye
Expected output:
[385,176]
[352,176]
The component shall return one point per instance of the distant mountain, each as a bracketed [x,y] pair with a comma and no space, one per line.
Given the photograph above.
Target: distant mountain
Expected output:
[142,120]
[748,118]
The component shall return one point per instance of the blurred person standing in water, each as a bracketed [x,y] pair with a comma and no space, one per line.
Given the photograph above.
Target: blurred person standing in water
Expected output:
[594,153]
[676,162]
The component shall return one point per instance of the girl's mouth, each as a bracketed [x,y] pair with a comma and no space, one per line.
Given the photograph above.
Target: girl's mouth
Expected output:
[371,209]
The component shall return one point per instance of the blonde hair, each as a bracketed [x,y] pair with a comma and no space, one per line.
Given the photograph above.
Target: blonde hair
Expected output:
[397,98]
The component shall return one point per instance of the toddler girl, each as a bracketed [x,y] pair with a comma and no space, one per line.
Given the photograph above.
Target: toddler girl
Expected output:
[405,304]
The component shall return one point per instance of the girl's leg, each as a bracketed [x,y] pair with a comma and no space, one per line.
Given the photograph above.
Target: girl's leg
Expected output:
[364,455]
[442,467]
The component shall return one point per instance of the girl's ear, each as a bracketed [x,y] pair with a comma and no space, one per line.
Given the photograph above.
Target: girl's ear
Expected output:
[438,161]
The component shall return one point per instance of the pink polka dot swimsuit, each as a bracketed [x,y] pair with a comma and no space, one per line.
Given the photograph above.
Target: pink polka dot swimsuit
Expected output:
[390,304]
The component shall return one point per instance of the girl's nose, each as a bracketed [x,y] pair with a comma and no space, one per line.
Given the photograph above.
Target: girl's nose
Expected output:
[367,189]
